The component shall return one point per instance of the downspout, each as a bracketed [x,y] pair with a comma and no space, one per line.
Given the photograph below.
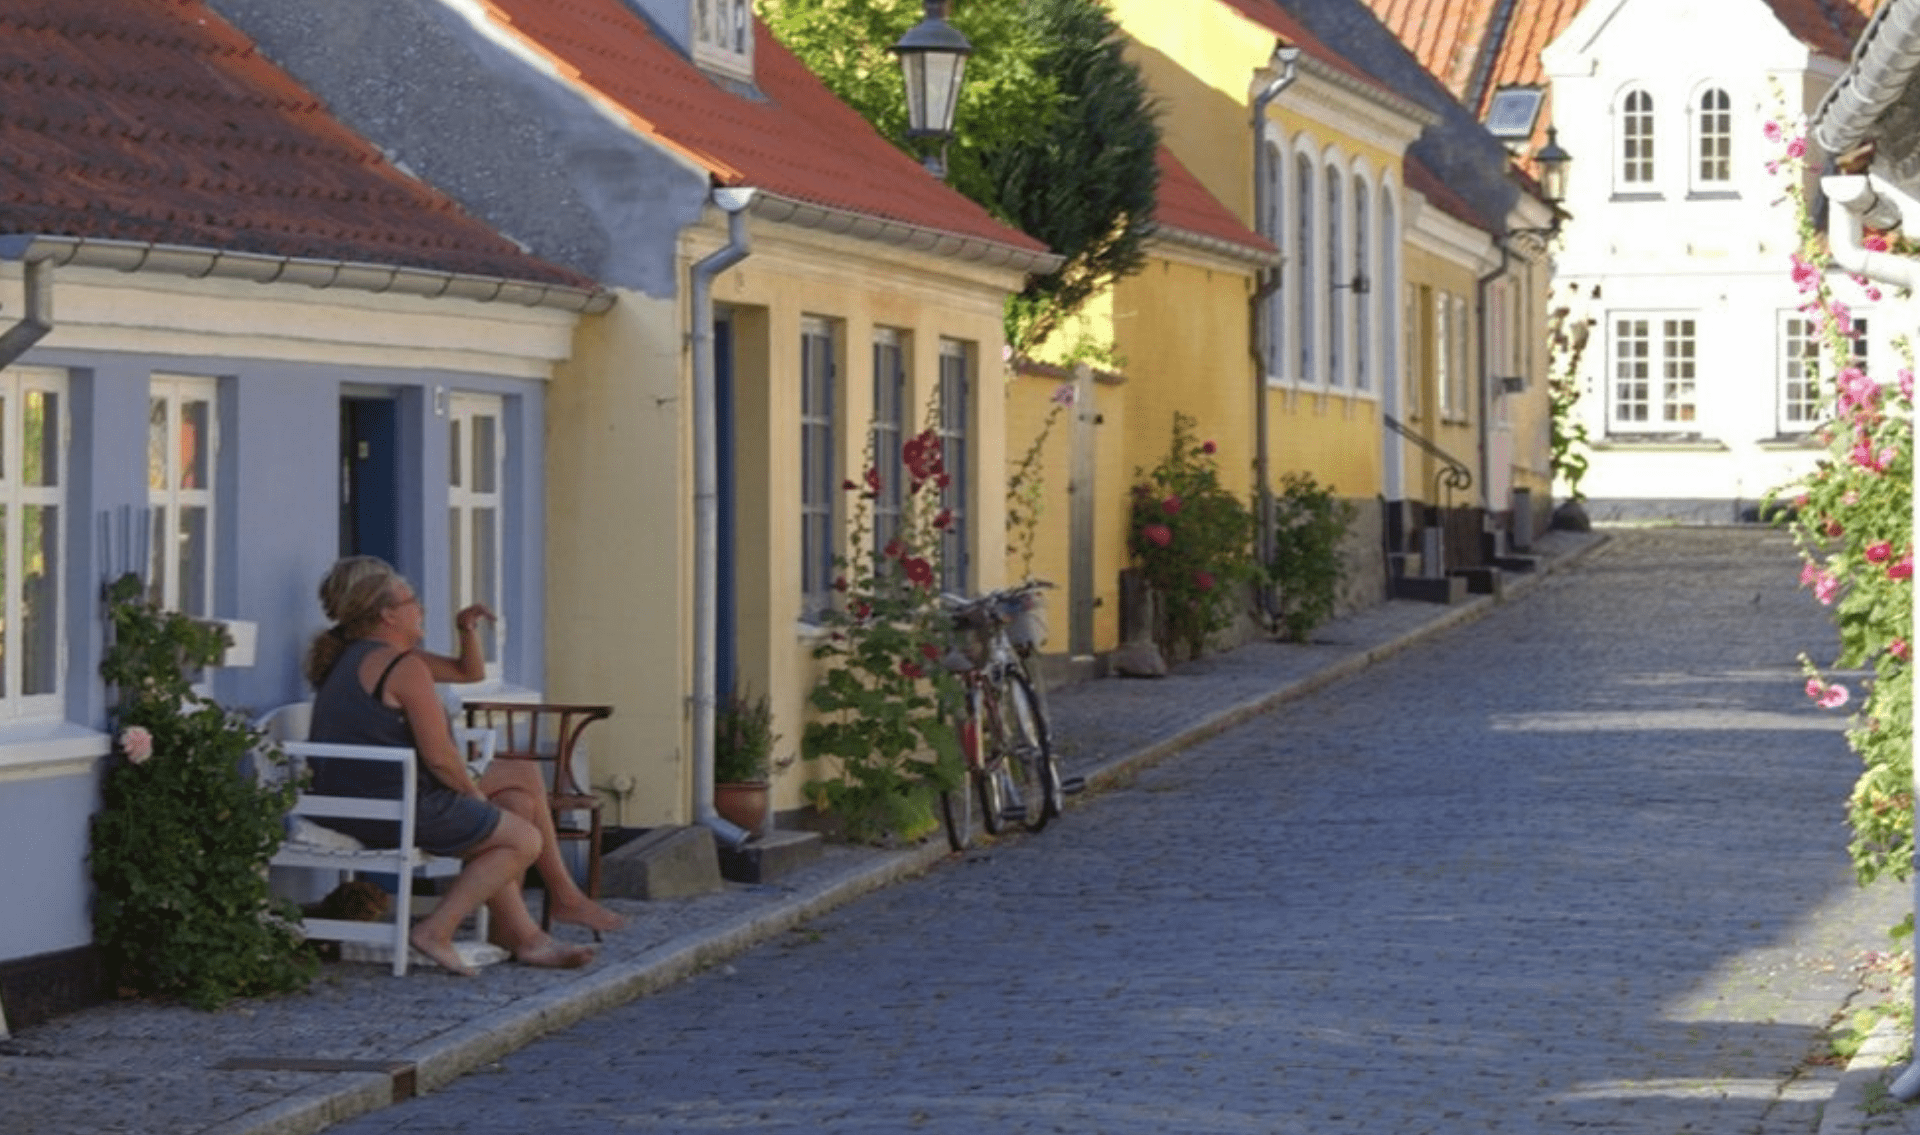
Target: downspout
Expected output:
[1855,198]
[1287,58]
[1485,431]
[706,508]
[37,320]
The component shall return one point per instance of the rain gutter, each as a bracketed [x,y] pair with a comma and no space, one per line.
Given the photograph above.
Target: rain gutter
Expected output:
[1286,57]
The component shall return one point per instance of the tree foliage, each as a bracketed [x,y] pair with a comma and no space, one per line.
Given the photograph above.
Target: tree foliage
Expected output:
[1055,134]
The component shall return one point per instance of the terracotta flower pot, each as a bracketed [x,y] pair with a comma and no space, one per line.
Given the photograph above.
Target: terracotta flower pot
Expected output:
[744,805]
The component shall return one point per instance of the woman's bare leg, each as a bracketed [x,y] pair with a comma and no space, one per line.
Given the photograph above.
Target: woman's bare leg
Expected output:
[516,786]
[495,865]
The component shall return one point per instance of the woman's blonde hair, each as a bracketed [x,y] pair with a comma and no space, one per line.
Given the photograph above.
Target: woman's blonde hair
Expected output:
[353,593]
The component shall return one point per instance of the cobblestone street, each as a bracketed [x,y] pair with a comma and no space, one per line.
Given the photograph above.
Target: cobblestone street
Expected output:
[1579,865]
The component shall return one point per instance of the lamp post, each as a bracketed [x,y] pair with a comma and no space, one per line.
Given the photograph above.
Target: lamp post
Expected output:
[1553,162]
[933,56]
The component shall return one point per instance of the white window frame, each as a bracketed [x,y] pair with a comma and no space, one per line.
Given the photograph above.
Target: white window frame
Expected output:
[1415,364]
[17,384]
[819,486]
[1463,369]
[476,487]
[722,34]
[1713,134]
[1388,288]
[1443,354]
[958,382]
[1275,230]
[1803,391]
[170,495]
[1637,163]
[1364,245]
[892,423]
[1339,286]
[1306,294]
[1666,362]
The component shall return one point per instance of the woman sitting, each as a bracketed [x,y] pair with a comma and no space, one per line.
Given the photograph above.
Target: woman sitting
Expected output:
[374,685]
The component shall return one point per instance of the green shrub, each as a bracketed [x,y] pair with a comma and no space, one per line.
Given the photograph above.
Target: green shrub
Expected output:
[1309,523]
[181,842]
[1191,539]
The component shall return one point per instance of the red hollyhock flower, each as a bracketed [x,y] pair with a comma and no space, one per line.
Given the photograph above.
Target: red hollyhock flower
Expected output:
[839,583]
[873,479]
[1158,534]
[919,571]
[929,652]
[1203,580]
[911,669]
[943,519]
[1207,447]
[894,549]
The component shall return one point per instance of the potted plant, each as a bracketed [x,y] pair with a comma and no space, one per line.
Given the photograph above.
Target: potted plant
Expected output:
[743,740]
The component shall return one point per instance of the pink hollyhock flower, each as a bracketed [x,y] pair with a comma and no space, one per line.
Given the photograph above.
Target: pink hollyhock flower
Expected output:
[1906,384]
[1063,394]
[1903,569]
[1157,534]
[1806,277]
[1203,580]
[1825,588]
[1800,501]
[136,743]
[1833,698]
[1808,573]
[1880,552]
[1772,131]
[1899,649]
[1814,687]
[1171,506]
[1797,148]
[1875,242]
[1842,318]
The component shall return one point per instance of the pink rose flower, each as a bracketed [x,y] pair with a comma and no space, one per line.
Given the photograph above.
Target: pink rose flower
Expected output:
[136,743]
[1157,534]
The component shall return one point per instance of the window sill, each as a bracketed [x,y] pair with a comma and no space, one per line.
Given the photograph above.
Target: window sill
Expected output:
[50,748]
[1630,198]
[1714,195]
[1661,443]
[1792,441]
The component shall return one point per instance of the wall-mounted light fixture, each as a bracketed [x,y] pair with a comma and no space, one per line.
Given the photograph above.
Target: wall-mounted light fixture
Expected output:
[1359,285]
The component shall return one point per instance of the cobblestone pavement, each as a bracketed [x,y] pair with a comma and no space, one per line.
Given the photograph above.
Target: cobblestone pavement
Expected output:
[1577,865]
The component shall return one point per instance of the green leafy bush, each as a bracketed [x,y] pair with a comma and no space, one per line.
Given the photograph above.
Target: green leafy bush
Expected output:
[1191,539]
[181,842]
[1309,523]
[882,731]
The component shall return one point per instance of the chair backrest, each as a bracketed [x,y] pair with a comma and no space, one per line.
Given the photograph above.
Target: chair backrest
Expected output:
[396,808]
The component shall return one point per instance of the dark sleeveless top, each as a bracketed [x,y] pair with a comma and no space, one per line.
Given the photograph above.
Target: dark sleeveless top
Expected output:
[446,822]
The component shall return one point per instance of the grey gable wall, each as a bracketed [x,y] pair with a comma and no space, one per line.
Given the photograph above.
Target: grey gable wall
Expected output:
[517,147]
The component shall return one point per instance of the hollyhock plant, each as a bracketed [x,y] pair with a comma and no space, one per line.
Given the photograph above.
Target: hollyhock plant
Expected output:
[1851,520]
[1189,535]
[879,746]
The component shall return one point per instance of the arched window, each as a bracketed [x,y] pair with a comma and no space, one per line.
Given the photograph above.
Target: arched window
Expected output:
[1363,290]
[1636,139]
[1303,261]
[1274,227]
[1338,293]
[1714,131]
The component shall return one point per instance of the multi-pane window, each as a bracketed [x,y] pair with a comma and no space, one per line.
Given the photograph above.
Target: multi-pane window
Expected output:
[1803,393]
[180,442]
[476,468]
[817,480]
[1715,137]
[1339,296]
[1275,230]
[723,35]
[1461,366]
[1411,327]
[889,431]
[1654,368]
[1303,259]
[1443,354]
[32,488]
[1363,291]
[1636,139]
[956,416]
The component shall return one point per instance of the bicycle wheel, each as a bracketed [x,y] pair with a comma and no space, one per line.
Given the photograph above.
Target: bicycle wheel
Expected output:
[1029,761]
[989,771]
[956,804]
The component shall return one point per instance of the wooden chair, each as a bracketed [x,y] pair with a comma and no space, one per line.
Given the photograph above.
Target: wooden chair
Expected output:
[311,845]
[544,731]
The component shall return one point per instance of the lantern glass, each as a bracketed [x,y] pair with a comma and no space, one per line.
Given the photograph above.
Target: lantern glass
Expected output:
[933,91]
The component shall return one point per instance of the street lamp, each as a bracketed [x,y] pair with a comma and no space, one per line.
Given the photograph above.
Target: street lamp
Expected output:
[1553,162]
[933,55]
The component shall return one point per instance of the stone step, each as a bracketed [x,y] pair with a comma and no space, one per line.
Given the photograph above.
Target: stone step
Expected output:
[770,857]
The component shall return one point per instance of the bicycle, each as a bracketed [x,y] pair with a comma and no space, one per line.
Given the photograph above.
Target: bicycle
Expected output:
[1004,736]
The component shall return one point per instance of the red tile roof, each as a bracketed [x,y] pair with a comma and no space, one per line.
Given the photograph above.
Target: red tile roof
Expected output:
[156,122]
[1186,205]
[799,142]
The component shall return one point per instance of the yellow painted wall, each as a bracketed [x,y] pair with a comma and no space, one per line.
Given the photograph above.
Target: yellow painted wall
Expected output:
[620,508]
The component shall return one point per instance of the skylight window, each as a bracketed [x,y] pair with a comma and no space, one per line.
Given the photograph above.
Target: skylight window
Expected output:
[1511,115]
